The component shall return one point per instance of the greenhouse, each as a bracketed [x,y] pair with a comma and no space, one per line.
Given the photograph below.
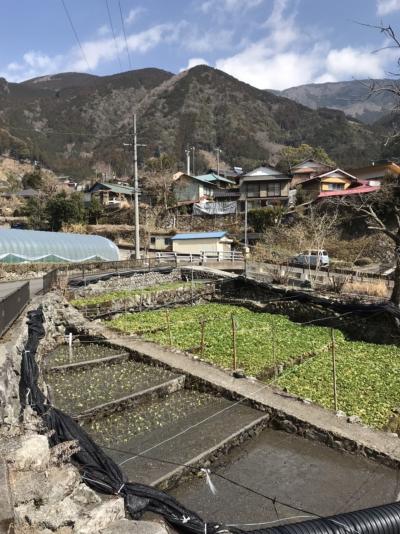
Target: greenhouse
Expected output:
[17,246]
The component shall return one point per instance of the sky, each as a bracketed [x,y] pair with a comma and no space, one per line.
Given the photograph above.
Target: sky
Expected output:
[271,44]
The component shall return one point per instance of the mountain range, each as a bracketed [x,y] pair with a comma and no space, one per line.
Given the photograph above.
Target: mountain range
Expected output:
[360,99]
[75,122]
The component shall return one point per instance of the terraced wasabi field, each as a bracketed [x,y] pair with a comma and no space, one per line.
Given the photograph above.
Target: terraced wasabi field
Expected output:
[368,375]
[111,296]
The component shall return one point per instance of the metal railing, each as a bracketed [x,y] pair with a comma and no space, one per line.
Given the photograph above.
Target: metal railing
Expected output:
[199,258]
[12,305]
[318,276]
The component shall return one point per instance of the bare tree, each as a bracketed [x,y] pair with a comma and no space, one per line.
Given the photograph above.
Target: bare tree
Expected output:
[381,212]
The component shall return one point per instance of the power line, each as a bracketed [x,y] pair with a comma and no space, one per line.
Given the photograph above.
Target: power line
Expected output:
[75,33]
[113,32]
[126,40]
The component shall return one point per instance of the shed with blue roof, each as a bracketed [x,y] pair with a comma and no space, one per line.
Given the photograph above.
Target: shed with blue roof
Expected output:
[199,242]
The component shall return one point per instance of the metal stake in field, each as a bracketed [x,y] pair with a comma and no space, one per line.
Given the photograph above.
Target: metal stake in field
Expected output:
[169,327]
[333,346]
[234,344]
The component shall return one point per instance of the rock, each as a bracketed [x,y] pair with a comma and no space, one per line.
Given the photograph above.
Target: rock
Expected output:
[82,494]
[125,526]
[339,413]
[46,486]
[51,516]
[239,373]
[107,512]
[354,419]
[287,426]
[33,454]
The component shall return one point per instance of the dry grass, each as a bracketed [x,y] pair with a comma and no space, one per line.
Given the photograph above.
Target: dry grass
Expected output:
[371,288]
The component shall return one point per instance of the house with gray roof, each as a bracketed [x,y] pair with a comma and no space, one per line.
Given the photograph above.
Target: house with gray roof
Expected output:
[264,186]
[111,195]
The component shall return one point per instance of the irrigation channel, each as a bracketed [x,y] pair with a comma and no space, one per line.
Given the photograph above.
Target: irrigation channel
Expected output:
[164,431]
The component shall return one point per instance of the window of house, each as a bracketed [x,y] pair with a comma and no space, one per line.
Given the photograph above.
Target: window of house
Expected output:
[153,240]
[168,241]
[253,190]
[335,187]
[274,189]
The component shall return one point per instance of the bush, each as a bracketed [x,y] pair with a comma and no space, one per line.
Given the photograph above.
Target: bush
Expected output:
[362,262]
[260,219]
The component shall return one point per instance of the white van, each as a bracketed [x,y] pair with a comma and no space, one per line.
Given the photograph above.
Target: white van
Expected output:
[312,258]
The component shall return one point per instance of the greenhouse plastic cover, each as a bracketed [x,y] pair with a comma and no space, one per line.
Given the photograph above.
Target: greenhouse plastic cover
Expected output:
[18,246]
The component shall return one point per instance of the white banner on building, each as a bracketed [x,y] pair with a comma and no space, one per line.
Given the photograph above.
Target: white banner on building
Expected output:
[215,208]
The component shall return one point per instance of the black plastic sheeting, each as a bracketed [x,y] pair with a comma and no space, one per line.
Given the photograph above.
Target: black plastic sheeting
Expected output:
[104,475]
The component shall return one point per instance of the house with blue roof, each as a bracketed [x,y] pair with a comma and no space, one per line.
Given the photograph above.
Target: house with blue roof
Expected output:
[200,242]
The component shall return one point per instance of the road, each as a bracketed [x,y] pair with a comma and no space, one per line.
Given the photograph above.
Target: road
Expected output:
[35,286]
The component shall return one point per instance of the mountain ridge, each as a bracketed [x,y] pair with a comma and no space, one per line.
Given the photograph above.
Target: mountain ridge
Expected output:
[355,97]
[75,122]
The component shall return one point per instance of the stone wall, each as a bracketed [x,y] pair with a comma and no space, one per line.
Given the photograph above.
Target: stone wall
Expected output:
[40,490]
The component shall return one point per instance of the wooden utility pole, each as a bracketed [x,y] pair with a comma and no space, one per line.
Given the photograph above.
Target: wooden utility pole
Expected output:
[334,369]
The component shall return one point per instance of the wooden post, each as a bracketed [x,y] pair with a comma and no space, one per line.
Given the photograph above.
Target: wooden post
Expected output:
[334,370]
[169,327]
[202,326]
[274,350]
[234,346]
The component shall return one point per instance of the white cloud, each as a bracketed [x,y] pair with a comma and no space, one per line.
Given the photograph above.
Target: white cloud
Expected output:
[285,57]
[385,7]
[133,15]
[229,5]
[194,61]
[103,30]
[96,51]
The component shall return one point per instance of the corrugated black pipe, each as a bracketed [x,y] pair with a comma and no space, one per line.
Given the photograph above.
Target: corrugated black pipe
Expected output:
[379,520]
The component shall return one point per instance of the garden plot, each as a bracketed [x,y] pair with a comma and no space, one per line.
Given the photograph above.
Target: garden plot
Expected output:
[109,297]
[75,391]
[125,425]
[81,352]
[368,375]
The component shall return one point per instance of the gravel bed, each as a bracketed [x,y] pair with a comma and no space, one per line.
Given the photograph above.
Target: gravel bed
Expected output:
[80,353]
[123,426]
[74,391]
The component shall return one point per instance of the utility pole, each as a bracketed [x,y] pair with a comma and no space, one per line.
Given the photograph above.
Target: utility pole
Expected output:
[136,187]
[187,152]
[245,224]
[218,151]
[193,161]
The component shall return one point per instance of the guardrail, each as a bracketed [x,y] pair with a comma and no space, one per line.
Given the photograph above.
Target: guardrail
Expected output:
[199,258]
[12,305]
[303,274]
